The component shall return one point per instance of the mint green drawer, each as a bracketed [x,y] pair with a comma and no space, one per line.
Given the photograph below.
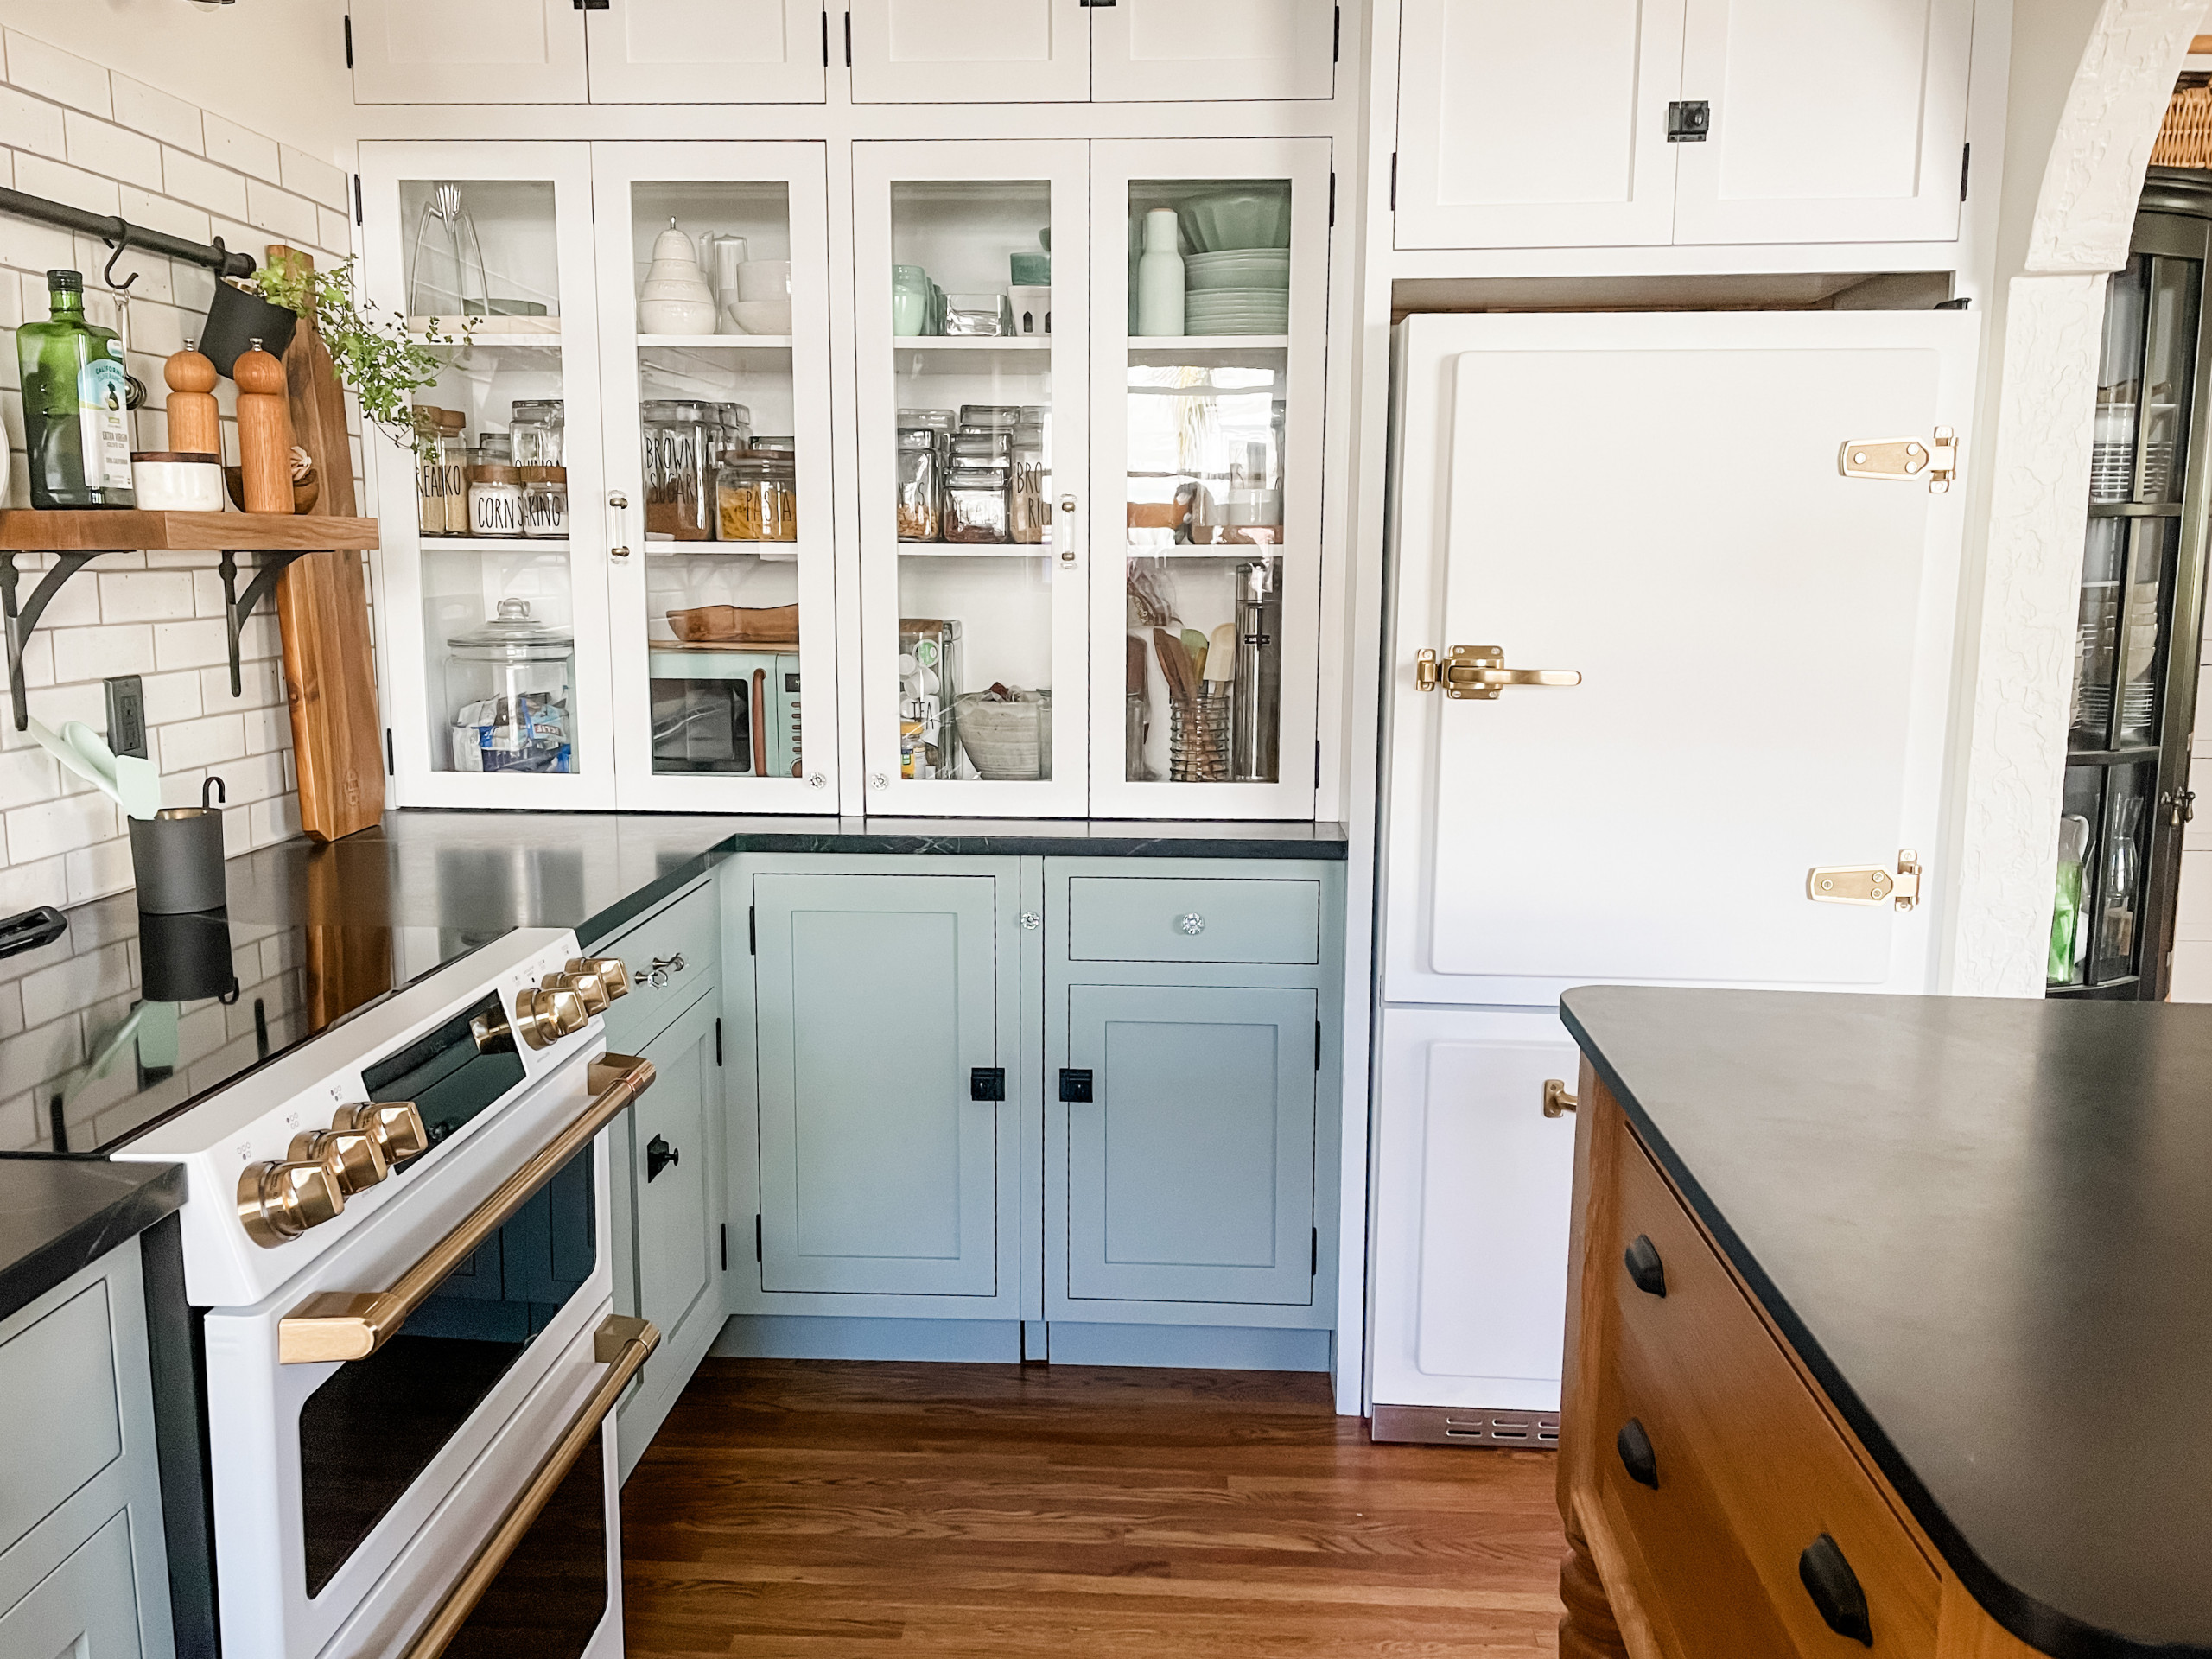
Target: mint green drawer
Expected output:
[684,938]
[1194,919]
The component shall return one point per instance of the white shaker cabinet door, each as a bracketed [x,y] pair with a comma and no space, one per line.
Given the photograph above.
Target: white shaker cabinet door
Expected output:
[1152,51]
[709,51]
[1829,123]
[970,51]
[504,51]
[1525,125]
[1472,1197]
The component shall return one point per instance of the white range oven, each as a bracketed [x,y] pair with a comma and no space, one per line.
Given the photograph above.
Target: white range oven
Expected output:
[398,1232]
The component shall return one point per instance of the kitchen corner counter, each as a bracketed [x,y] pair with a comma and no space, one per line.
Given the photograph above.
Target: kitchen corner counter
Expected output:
[60,1215]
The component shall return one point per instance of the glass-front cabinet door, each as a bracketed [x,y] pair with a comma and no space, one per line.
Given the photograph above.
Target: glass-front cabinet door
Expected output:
[492,565]
[1208,329]
[713,295]
[975,420]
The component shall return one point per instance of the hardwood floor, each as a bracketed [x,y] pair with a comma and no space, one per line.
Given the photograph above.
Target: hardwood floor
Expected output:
[838,1510]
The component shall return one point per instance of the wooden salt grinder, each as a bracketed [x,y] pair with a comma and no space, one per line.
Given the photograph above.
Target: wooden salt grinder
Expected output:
[264,431]
[196,424]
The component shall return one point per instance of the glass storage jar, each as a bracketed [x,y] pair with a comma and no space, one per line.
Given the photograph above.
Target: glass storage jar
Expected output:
[536,434]
[733,429]
[678,439]
[976,503]
[544,501]
[920,485]
[757,497]
[429,473]
[494,499]
[508,684]
[1029,508]
[452,462]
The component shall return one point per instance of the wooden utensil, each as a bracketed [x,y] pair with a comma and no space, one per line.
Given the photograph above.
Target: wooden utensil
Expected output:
[1175,663]
[265,433]
[1137,682]
[316,402]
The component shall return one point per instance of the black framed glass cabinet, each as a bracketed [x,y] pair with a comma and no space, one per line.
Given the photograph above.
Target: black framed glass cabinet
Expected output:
[2135,664]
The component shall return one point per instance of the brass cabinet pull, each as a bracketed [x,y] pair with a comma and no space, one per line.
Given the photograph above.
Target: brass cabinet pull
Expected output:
[1557,1102]
[622,1344]
[336,1325]
[1479,672]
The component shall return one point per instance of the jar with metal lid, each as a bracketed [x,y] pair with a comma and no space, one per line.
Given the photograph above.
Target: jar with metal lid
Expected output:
[494,499]
[987,449]
[733,422]
[975,504]
[544,501]
[677,438]
[785,445]
[920,485]
[536,433]
[508,682]
[757,497]
[497,448]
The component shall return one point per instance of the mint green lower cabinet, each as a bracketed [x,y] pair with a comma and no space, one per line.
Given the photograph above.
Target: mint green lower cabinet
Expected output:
[85,1608]
[1190,1172]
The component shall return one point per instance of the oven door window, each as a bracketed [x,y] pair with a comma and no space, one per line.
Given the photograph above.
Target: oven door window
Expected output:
[375,1425]
[551,1596]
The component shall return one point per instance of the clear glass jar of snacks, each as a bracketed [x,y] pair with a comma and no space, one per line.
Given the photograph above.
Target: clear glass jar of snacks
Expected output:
[677,437]
[976,503]
[537,433]
[757,497]
[920,485]
[544,501]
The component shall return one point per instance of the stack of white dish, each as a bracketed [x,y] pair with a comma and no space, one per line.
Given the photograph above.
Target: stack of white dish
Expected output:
[762,304]
[1239,278]
[675,298]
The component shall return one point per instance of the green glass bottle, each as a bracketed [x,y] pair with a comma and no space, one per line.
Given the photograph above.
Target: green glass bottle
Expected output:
[76,428]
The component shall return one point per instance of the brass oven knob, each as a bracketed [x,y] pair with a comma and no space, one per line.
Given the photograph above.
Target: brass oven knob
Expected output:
[395,1126]
[493,1034]
[544,1017]
[280,1201]
[611,972]
[590,987]
[352,1156]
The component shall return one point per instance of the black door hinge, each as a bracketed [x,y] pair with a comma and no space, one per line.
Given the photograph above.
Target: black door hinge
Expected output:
[1394,181]
[718,1040]
[725,1231]
[390,770]
[1317,763]
[1313,1269]
[1317,1044]
[825,39]
[357,200]
[1332,199]
[1688,121]
[349,40]
[757,1255]
[752,931]
[1075,1084]
[848,40]
[987,1082]
[1337,37]
[1966,168]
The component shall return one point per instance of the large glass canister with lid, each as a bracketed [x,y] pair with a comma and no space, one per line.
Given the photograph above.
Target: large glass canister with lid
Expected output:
[677,436]
[920,483]
[508,684]
[536,432]
[757,496]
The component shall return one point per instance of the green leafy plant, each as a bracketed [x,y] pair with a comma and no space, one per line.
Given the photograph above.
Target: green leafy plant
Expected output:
[376,357]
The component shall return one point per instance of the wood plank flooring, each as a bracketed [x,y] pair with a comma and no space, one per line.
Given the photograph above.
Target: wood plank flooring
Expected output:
[805,1507]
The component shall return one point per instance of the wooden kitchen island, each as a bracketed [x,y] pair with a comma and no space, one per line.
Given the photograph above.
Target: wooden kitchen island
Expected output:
[1890,1328]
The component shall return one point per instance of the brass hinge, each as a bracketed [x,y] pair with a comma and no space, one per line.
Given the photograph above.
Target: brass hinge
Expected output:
[1479,671]
[1867,884]
[1903,460]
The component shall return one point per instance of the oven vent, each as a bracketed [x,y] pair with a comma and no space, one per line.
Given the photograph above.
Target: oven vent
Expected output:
[1529,1430]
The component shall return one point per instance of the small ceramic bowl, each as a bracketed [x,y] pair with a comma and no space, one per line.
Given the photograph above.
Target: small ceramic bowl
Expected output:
[305,490]
[174,481]
[764,316]
[765,279]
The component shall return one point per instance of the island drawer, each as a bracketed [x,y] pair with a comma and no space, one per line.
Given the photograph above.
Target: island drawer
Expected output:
[1190,919]
[1780,1475]
[681,938]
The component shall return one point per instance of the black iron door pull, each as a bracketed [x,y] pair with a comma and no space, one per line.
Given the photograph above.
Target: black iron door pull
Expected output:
[658,1156]
[1644,1266]
[987,1082]
[1834,1590]
[1636,1455]
[1075,1084]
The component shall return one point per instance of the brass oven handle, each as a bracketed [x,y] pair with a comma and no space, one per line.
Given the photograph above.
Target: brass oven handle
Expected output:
[621,1345]
[336,1325]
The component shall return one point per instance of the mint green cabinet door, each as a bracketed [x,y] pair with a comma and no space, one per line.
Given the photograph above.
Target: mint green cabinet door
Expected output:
[86,1608]
[877,998]
[671,1166]
[1190,1170]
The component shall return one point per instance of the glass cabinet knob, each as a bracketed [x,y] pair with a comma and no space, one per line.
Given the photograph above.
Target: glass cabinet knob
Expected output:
[816,780]
[1031,919]
[1193,924]
[877,780]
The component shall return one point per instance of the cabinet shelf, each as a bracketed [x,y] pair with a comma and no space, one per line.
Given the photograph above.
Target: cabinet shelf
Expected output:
[971,354]
[1210,350]
[976,549]
[493,544]
[714,342]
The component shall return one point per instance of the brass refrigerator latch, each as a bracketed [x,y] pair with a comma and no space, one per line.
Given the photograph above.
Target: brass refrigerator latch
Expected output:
[1867,884]
[1480,671]
[1903,460]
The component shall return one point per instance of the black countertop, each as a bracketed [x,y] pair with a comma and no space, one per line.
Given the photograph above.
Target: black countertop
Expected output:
[1983,1224]
[59,1215]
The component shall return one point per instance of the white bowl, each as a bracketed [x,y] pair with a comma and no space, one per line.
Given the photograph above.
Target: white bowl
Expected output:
[676,316]
[762,316]
[765,279]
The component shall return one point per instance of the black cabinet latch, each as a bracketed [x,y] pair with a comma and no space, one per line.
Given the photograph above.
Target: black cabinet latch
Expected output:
[1637,1456]
[1075,1085]
[987,1082]
[1688,121]
[658,1156]
[1644,1267]
[1836,1591]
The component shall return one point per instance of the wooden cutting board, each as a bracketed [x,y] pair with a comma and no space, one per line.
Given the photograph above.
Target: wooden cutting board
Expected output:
[322,610]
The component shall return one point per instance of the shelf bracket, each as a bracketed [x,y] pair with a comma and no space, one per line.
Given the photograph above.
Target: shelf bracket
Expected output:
[237,607]
[21,622]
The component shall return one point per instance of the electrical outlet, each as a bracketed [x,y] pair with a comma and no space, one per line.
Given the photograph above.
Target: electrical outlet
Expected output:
[126,716]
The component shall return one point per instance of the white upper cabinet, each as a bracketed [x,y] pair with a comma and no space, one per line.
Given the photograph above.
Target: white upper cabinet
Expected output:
[1152,51]
[707,52]
[1830,123]
[1536,126]
[970,51]
[1628,122]
[509,52]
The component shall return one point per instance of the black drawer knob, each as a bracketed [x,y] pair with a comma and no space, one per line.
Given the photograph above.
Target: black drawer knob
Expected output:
[1645,1267]
[1834,1590]
[1636,1455]
[658,1156]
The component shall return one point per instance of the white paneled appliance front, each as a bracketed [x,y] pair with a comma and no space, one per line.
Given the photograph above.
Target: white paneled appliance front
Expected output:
[399,1235]
[1691,586]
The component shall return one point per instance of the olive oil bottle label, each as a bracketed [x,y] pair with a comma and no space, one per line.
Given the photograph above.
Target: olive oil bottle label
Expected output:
[106,425]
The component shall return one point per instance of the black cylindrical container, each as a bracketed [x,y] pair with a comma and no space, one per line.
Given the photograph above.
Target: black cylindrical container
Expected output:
[236,319]
[185,958]
[178,858]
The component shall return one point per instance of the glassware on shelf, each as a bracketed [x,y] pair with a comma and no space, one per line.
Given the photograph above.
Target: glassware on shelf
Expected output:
[453,463]
[510,683]
[732,428]
[1029,508]
[494,499]
[1159,279]
[429,473]
[976,506]
[1007,733]
[445,267]
[1198,738]
[544,501]
[910,300]
[929,678]
[920,485]
[536,431]
[2068,937]
[677,438]
[977,315]
[757,497]
[990,417]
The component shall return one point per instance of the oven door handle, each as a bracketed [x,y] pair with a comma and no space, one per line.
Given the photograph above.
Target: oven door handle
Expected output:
[621,1345]
[337,1324]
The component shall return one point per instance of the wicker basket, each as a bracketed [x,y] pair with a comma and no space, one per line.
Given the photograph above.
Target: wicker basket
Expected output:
[1009,743]
[2185,136]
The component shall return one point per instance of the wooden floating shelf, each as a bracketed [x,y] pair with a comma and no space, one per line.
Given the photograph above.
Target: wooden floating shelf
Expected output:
[126,530]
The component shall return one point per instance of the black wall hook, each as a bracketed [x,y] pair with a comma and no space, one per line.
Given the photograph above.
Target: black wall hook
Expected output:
[120,245]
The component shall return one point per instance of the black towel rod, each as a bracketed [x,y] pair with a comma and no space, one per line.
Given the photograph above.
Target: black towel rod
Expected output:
[118,234]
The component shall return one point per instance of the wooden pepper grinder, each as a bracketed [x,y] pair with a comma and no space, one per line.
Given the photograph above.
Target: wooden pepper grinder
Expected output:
[264,431]
[196,424]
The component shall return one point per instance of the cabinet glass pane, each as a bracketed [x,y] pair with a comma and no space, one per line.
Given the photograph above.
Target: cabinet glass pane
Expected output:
[711,278]
[2169,368]
[2070,924]
[2142,663]
[2126,572]
[483,285]
[1208,390]
[2121,861]
[971,322]
[2119,381]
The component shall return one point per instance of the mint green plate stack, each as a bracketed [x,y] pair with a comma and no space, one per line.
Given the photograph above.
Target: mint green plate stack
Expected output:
[1238,279]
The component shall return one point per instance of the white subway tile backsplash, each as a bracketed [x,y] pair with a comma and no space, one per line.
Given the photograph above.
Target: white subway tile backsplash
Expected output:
[165,213]
[115,152]
[63,183]
[62,76]
[172,697]
[104,867]
[27,775]
[101,653]
[235,146]
[191,645]
[54,992]
[315,179]
[185,746]
[290,218]
[56,827]
[188,178]
[153,112]
[335,232]
[149,596]
[31,123]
